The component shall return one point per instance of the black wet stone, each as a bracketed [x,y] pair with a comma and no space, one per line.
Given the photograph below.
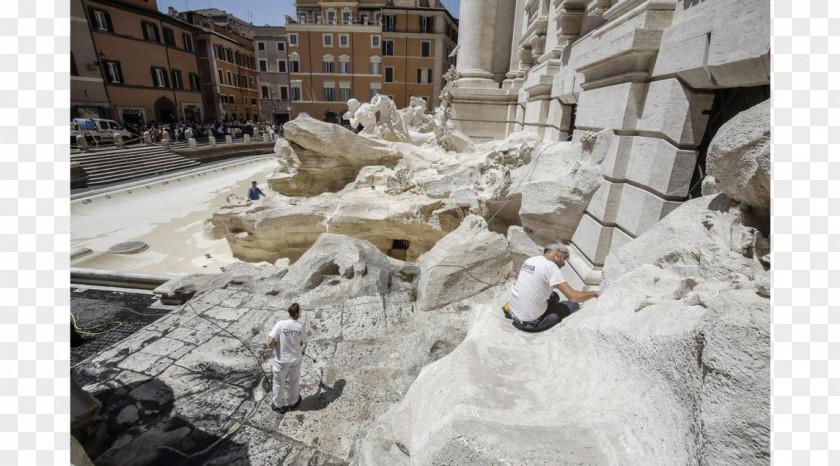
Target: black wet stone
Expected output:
[129,247]
[97,307]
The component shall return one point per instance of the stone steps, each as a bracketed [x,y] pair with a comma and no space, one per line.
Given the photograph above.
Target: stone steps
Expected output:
[113,165]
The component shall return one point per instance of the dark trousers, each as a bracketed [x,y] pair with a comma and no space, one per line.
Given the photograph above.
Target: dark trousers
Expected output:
[555,311]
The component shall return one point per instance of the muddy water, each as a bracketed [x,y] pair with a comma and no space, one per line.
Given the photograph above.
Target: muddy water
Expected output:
[170,218]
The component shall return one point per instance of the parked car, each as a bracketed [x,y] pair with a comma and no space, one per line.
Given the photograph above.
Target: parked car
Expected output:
[100,130]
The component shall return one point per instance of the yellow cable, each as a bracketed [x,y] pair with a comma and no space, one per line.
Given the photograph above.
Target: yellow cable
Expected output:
[119,324]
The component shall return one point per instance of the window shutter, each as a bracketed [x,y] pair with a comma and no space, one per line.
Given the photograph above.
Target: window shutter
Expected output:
[155,78]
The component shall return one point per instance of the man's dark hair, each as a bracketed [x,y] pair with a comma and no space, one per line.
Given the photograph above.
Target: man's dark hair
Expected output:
[253,182]
[294,310]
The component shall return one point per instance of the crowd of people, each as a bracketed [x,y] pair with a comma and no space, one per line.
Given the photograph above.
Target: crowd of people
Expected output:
[203,130]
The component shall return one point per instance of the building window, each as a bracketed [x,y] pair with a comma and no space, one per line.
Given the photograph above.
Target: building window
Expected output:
[374,42]
[264,92]
[424,75]
[330,16]
[327,40]
[296,94]
[363,19]
[194,82]
[281,66]
[343,40]
[223,98]
[263,65]
[389,74]
[221,77]
[294,65]
[229,80]
[293,39]
[260,45]
[377,19]
[302,18]
[389,23]
[374,91]
[329,65]
[150,32]
[281,46]
[427,24]
[253,101]
[101,20]
[344,93]
[159,77]
[217,52]
[73,70]
[375,65]
[388,48]
[251,82]
[425,49]
[329,92]
[188,42]
[346,17]
[169,37]
[229,55]
[344,66]
[177,83]
[284,92]
[113,72]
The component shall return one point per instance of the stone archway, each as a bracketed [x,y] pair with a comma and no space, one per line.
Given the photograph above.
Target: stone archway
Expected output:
[330,117]
[165,110]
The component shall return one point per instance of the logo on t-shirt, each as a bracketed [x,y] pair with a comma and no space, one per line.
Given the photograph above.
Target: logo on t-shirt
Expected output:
[289,331]
[528,268]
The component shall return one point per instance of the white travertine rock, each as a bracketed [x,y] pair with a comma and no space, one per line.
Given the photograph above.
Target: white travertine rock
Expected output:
[326,156]
[674,349]
[556,186]
[709,186]
[464,263]
[739,157]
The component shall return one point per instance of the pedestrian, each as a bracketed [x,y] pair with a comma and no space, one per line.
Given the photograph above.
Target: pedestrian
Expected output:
[533,305]
[287,338]
[254,192]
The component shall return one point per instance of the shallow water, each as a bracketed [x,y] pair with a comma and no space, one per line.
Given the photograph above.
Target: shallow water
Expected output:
[169,217]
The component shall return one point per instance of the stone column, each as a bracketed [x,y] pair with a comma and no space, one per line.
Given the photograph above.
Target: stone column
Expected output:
[228,139]
[484,41]
[247,139]
[212,140]
[192,142]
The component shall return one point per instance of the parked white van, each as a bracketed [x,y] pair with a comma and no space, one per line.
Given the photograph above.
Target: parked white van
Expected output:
[101,130]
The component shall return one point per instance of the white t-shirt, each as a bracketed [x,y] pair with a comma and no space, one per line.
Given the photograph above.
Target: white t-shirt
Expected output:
[289,334]
[533,287]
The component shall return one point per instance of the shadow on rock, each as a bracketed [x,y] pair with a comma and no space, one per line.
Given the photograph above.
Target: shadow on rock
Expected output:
[145,433]
[321,399]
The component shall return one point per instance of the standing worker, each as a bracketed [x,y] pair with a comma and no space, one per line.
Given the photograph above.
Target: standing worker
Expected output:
[533,306]
[254,192]
[287,338]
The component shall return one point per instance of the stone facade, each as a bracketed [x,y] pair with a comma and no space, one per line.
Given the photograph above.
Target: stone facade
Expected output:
[648,71]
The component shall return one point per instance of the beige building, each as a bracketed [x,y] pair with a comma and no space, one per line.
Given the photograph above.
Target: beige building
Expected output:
[341,50]
[225,50]
[145,60]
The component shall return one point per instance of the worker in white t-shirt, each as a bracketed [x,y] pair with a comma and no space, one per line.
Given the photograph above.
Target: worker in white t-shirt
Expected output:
[533,306]
[287,338]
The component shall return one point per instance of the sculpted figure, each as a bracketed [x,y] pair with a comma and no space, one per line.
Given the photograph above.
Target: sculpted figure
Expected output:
[363,114]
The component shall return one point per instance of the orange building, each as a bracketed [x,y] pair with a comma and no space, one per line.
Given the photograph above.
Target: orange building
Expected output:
[356,49]
[146,60]
[228,63]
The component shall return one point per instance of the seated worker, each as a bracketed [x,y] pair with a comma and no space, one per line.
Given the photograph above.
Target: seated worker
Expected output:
[533,306]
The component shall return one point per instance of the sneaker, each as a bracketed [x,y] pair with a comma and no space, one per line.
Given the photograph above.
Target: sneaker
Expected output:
[506,308]
[276,409]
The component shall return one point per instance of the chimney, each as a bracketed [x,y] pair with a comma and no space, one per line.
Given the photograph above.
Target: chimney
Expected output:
[172,12]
